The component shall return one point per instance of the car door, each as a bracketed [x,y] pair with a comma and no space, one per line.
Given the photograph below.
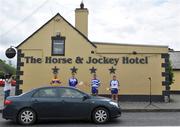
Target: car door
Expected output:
[72,104]
[45,101]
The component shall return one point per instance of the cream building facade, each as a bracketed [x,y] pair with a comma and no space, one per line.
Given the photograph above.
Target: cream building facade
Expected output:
[60,46]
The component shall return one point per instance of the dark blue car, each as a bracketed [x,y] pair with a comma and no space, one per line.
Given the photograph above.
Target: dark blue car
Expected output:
[59,103]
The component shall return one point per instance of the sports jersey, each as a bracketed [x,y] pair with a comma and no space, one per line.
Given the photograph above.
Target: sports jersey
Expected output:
[7,85]
[95,83]
[55,82]
[73,82]
[114,84]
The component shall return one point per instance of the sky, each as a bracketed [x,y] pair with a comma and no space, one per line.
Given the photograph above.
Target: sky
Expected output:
[152,22]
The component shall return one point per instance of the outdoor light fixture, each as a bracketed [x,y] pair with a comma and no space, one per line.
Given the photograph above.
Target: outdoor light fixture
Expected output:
[58,34]
[134,52]
[92,52]
[11,52]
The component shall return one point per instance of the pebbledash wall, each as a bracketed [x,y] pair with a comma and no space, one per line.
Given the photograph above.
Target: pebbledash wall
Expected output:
[132,64]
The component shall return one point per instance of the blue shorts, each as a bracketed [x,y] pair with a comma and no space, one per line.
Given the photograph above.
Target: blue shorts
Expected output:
[72,86]
[114,91]
[94,90]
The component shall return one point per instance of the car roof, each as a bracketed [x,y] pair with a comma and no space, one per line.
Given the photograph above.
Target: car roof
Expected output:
[59,87]
[56,87]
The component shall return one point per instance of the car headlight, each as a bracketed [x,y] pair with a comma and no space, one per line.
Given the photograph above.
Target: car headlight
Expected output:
[113,103]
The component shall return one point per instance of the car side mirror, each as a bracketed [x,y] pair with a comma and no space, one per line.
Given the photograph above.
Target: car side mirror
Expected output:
[85,97]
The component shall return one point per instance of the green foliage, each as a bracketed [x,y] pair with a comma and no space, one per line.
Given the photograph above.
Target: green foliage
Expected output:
[171,74]
[6,68]
[1,74]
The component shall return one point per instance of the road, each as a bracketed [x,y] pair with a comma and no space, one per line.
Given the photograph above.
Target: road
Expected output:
[127,119]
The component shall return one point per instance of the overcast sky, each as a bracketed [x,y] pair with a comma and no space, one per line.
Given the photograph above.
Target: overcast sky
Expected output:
[155,22]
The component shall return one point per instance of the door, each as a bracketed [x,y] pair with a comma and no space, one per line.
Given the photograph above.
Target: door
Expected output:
[72,104]
[45,101]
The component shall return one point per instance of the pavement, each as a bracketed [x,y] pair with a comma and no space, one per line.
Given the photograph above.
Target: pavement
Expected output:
[127,119]
[172,106]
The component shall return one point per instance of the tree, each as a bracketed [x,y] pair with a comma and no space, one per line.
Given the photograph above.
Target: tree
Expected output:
[6,68]
[1,74]
[171,74]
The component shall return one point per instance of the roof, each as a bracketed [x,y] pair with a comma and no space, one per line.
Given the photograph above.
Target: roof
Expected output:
[124,44]
[175,58]
[66,22]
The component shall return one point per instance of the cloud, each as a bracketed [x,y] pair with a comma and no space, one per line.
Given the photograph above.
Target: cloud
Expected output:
[141,21]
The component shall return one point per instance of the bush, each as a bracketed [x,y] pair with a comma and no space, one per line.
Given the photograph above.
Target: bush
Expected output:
[171,74]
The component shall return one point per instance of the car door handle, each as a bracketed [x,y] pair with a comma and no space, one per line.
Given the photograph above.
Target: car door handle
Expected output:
[63,101]
[35,101]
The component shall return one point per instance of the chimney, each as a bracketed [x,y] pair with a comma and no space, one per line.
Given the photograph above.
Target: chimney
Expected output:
[81,19]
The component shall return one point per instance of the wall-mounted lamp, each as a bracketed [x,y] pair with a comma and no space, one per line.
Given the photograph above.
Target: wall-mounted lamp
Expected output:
[11,52]
[58,34]
[92,52]
[134,52]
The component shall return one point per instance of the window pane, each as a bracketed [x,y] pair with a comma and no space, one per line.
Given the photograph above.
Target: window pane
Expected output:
[46,93]
[70,93]
[58,46]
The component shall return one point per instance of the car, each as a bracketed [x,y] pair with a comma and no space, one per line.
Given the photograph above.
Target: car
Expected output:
[59,103]
[2,82]
[13,82]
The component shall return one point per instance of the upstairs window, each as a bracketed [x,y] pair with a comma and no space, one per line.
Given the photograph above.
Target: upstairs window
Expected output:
[58,45]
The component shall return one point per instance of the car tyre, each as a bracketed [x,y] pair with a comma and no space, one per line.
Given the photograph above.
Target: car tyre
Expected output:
[26,117]
[100,115]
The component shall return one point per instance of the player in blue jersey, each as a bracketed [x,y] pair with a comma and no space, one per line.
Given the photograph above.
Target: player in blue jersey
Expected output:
[114,84]
[95,83]
[73,81]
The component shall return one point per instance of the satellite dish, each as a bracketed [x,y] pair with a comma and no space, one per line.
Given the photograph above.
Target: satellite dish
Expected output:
[10,53]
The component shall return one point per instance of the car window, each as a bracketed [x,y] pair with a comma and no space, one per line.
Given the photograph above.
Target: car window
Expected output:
[66,92]
[48,92]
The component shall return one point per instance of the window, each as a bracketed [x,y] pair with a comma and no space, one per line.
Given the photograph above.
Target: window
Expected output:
[66,92]
[58,46]
[44,93]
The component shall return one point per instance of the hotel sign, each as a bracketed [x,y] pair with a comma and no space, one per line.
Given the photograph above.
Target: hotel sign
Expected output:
[89,60]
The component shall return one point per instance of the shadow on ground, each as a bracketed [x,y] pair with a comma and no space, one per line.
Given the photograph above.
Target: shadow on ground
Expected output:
[61,123]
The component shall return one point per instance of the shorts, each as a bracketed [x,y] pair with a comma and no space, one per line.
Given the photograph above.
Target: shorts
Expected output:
[74,86]
[94,90]
[114,91]
[6,94]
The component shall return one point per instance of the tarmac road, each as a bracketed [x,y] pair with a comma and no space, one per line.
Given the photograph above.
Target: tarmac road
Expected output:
[127,119]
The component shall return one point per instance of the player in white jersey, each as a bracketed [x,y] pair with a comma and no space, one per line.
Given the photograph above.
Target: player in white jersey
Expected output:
[114,86]
[95,83]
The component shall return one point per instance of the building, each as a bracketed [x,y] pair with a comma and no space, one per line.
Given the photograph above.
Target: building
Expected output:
[61,47]
[175,59]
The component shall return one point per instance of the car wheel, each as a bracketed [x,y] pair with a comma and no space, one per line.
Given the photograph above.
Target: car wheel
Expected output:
[100,115]
[27,117]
